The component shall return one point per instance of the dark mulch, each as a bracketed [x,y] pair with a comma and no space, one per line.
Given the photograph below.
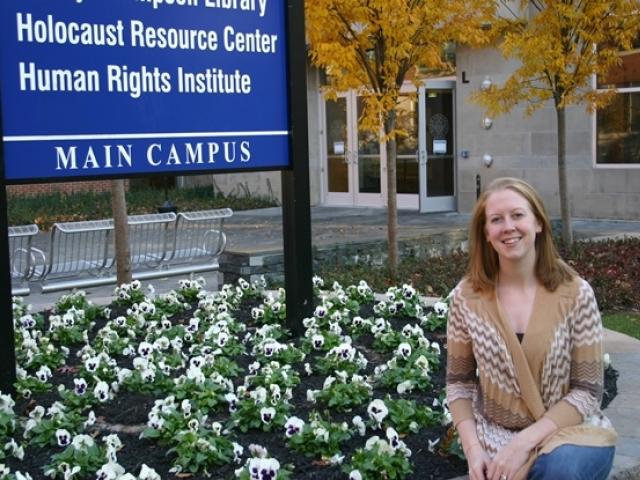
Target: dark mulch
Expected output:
[127,414]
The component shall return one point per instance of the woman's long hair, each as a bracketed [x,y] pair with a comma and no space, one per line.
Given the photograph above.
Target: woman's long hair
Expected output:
[484,264]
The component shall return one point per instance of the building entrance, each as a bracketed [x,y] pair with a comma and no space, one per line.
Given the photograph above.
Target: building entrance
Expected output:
[355,165]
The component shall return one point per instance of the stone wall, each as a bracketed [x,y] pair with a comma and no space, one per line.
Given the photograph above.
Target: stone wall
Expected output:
[271,264]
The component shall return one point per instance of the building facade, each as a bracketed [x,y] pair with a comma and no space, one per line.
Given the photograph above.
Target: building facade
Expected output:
[452,149]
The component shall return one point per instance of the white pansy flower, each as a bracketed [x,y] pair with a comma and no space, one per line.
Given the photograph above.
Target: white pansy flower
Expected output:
[16,450]
[82,442]
[408,291]
[307,369]
[293,426]
[193,425]
[36,414]
[422,363]
[378,411]
[328,382]
[393,437]
[110,471]
[404,350]
[355,475]
[91,364]
[140,363]
[267,414]
[216,428]
[195,374]
[43,374]
[446,417]
[101,391]
[254,367]
[232,400]
[404,387]
[359,424]
[63,437]
[311,395]
[112,441]
[258,450]
[238,450]
[321,434]
[91,419]
[80,386]
[440,309]
[259,395]
[317,341]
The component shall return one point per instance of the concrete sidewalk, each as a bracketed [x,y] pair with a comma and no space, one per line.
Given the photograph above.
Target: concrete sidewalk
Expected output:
[624,410]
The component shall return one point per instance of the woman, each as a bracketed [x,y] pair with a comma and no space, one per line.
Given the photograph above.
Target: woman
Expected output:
[524,346]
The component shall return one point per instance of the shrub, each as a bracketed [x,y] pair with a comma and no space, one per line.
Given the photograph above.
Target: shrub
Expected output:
[611,267]
[46,209]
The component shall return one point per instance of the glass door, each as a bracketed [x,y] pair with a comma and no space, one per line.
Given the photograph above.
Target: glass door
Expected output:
[337,146]
[407,153]
[353,174]
[437,154]
[366,163]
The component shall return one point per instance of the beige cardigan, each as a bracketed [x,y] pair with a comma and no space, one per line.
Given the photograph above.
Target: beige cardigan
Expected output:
[556,372]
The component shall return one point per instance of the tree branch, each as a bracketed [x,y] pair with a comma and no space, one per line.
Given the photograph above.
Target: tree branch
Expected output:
[358,48]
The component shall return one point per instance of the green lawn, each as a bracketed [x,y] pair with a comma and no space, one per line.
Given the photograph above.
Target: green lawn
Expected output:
[627,323]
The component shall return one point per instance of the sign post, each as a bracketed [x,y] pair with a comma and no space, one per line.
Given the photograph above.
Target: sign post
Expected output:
[296,224]
[7,346]
[101,90]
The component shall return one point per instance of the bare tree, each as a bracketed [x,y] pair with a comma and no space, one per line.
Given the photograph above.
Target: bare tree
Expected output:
[121,230]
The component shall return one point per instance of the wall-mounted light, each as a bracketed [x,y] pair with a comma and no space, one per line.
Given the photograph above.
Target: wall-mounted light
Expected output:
[487,122]
[486,83]
[487,159]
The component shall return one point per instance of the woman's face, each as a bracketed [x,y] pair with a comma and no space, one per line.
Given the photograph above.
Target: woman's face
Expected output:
[511,226]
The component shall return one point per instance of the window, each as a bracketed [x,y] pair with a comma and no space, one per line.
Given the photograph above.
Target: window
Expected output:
[618,124]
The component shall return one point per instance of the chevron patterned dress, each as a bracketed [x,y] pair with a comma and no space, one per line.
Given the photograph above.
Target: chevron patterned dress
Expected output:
[556,372]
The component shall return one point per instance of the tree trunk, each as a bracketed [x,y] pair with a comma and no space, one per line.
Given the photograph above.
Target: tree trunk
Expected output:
[392,197]
[565,211]
[121,230]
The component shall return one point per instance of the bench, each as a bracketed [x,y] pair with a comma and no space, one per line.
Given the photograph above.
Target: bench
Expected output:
[150,239]
[199,235]
[82,254]
[21,260]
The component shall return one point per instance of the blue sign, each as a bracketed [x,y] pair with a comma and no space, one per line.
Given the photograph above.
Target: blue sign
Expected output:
[96,88]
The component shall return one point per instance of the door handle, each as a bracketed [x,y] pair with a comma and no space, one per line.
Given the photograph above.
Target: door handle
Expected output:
[422,157]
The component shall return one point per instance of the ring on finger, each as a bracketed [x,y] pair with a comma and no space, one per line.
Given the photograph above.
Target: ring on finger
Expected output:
[503,477]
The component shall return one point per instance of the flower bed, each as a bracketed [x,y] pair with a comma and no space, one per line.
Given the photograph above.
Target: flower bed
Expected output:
[195,385]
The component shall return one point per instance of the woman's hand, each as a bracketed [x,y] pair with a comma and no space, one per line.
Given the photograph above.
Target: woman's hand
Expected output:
[478,462]
[508,460]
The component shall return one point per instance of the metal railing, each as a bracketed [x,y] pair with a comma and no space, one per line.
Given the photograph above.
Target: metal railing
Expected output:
[82,254]
[151,238]
[21,257]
